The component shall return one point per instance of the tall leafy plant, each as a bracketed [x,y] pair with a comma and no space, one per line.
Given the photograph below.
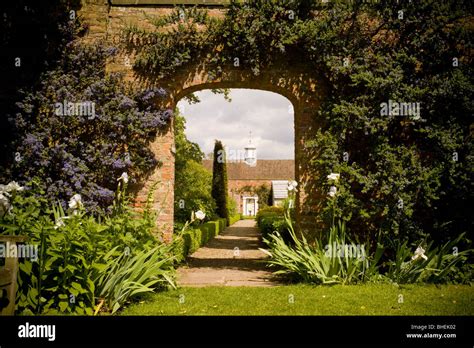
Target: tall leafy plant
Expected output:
[75,248]
[317,262]
[434,264]
[127,275]
[193,182]
[219,180]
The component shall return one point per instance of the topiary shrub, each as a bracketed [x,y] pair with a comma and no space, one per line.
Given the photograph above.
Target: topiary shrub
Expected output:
[219,180]
[196,240]
[214,227]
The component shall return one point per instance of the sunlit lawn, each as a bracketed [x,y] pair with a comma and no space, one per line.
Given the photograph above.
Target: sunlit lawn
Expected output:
[369,299]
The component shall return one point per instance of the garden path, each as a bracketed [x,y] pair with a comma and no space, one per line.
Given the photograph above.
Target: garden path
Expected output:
[230,259]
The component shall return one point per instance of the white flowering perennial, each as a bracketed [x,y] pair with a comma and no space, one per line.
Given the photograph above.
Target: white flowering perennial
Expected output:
[124,178]
[334,177]
[419,252]
[75,202]
[60,222]
[200,215]
[332,191]
[5,194]
[13,186]
[292,185]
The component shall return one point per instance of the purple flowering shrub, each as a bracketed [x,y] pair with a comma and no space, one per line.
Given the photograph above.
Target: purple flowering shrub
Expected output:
[81,128]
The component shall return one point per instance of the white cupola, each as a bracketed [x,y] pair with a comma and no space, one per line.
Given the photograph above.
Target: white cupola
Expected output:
[250,153]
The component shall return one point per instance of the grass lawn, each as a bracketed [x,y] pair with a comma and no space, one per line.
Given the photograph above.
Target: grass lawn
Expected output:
[368,299]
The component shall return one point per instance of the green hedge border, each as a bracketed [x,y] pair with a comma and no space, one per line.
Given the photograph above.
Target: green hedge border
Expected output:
[195,238]
[233,219]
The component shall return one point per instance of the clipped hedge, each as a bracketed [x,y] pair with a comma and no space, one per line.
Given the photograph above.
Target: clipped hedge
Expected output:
[194,238]
[271,219]
[213,227]
[222,224]
[270,223]
[269,210]
[266,215]
[234,218]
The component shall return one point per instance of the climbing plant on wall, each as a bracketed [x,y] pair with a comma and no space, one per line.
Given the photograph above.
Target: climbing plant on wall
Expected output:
[82,128]
[262,191]
[402,175]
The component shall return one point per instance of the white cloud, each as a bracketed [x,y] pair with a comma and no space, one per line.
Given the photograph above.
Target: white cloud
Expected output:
[267,115]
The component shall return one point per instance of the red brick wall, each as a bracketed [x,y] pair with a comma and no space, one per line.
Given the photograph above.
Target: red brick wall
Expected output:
[290,78]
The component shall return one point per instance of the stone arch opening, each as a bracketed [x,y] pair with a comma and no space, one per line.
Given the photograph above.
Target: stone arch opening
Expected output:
[288,75]
[292,81]
[257,130]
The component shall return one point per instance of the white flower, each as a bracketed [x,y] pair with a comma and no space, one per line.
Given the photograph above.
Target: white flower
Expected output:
[334,176]
[13,186]
[4,204]
[75,202]
[332,191]
[123,177]
[200,215]
[292,185]
[3,199]
[419,252]
[60,222]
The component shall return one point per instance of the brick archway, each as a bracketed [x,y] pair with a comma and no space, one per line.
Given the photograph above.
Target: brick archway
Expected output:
[289,77]
[293,83]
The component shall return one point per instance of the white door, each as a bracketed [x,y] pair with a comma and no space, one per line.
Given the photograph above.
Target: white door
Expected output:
[250,207]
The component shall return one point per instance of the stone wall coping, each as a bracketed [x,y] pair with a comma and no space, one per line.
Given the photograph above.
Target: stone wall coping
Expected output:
[169,2]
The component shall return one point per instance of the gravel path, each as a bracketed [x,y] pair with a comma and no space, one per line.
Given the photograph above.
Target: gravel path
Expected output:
[230,259]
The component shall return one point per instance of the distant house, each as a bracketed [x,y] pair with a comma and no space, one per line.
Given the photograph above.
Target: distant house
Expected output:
[252,174]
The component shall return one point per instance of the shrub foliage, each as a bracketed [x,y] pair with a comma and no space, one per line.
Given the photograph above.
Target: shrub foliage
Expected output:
[74,153]
[219,181]
[407,176]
